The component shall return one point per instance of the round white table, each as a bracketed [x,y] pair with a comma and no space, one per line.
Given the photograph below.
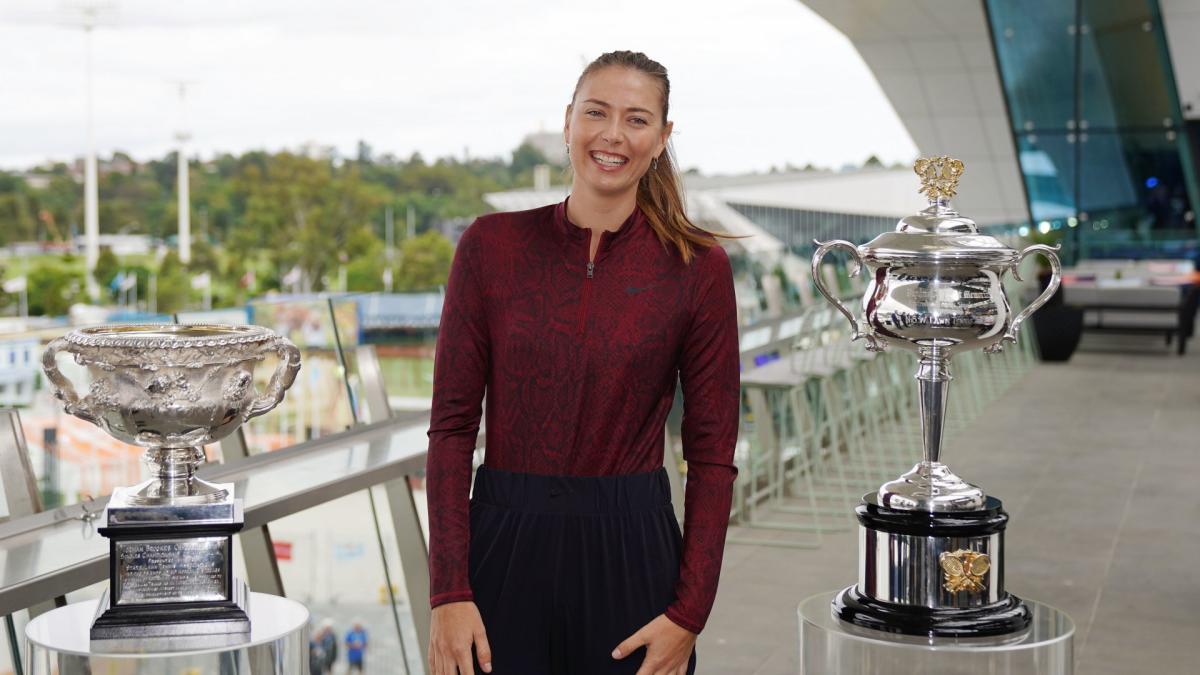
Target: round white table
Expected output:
[829,645]
[57,643]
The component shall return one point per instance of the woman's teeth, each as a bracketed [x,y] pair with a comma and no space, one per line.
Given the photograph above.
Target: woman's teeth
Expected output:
[609,160]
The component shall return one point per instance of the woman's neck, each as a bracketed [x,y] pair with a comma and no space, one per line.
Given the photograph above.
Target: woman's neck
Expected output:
[597,212]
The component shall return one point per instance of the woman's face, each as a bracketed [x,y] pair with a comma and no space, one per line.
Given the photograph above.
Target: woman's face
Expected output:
[614,127]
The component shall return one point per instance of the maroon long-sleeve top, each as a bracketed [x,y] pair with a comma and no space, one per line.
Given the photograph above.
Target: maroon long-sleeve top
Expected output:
[579,364]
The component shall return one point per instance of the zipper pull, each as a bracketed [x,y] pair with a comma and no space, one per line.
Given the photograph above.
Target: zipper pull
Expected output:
[591,266]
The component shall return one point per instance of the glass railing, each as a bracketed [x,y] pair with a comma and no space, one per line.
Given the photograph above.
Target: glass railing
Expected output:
[334,542]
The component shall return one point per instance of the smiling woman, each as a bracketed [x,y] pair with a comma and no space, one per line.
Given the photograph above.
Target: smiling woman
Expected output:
[579,319]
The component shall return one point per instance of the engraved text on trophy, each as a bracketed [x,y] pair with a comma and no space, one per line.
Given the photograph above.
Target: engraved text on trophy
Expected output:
[171,570]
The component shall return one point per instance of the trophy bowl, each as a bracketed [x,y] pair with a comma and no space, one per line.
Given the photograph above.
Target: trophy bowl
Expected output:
[936,288]
[171,389]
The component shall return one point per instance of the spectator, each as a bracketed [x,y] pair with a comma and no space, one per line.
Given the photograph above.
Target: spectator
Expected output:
[329,645]
[316,657]
[356,646]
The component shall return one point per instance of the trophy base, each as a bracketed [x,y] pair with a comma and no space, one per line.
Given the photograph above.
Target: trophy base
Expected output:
[931,574]
[1010,615]
[171,574]
[181,625]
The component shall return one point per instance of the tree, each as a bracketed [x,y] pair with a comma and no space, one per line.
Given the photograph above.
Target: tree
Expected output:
[174,284]
[872,163]
[525,157]
[53,288]
[424,262]
[107,267]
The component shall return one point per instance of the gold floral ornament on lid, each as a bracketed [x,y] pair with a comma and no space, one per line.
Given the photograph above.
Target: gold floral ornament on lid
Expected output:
[963,570]
[939,176]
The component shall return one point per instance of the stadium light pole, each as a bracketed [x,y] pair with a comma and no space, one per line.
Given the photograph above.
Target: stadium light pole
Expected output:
[88,16]
[184,206]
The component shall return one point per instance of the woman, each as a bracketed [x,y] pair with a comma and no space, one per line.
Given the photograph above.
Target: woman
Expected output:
[578,318]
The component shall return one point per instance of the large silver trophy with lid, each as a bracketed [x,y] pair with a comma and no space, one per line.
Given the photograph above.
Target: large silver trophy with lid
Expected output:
[172,389]
[931,544]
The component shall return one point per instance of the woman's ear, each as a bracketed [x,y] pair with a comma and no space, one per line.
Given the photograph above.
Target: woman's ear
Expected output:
[666,136]
[567,125]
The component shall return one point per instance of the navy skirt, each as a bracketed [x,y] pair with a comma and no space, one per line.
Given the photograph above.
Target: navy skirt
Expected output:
[564,568]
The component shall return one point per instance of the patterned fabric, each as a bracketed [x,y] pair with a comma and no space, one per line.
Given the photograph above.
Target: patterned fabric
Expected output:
[580,374]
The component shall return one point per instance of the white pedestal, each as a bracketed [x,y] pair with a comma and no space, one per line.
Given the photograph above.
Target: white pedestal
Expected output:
[57,643]
[829,646]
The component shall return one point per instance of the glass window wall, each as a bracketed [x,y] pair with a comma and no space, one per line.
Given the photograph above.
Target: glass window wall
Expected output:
[1101,140]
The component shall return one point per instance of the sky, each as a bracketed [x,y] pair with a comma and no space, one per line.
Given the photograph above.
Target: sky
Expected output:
[754,83]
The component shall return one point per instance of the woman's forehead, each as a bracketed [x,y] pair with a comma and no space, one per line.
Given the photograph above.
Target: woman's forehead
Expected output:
[622,87]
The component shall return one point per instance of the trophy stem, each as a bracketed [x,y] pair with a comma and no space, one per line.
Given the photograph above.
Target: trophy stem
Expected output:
[930,485]
[933,383]
[174,480]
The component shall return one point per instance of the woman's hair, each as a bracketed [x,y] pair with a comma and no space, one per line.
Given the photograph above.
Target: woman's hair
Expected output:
[660,191]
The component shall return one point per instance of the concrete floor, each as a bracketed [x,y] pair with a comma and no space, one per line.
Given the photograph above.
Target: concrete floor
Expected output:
[1097,462]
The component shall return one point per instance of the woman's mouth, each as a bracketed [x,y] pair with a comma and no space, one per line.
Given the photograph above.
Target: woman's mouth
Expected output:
[608,161]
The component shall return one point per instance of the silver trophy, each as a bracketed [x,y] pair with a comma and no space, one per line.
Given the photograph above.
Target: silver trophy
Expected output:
[172,389]
[931,545]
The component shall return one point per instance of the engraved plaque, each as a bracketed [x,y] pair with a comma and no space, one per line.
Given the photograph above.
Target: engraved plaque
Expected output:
[150,571]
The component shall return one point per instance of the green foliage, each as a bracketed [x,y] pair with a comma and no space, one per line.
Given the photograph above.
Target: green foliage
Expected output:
[525,157]
[260,211]
[424,262]
[53,287]
[174,284]
[107,267]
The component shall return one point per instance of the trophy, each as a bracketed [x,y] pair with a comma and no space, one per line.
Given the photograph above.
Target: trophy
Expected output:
[172,389]
[931,545]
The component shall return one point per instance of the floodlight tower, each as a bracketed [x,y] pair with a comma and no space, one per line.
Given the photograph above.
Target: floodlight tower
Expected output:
[88,15]
[184,208]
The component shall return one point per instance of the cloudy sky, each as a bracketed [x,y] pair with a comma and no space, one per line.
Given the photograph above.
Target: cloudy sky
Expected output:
[755,83]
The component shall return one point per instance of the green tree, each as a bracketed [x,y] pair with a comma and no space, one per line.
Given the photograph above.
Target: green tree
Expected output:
[174,284]
[424,262]
[525,157]
[107,267]
[302,212]
[53,288]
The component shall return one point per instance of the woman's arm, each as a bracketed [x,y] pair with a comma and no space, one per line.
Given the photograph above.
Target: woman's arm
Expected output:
[460,368]
[711,381]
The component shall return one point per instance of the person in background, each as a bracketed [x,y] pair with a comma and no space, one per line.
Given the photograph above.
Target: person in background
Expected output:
[329,645]
[316,657]
[356,646]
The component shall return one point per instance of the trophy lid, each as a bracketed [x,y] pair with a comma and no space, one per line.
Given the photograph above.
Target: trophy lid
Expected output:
[938,233]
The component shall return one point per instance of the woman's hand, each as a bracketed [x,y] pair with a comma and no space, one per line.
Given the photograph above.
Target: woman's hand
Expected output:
[668,647]
[454,627]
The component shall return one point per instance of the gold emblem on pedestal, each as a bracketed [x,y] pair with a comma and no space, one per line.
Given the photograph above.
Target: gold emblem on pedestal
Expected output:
[939,176]
[963,570]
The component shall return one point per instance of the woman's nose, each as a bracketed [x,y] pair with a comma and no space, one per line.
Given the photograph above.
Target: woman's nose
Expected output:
[612,134]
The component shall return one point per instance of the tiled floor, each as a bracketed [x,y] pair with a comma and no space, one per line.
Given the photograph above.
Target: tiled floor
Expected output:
[1098,464]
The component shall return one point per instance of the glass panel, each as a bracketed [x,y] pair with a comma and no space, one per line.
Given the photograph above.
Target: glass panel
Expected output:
[1048,164]
[1140,172]
[330,560]
[10,627]
[318,404]
[1036,54]
[1123,79]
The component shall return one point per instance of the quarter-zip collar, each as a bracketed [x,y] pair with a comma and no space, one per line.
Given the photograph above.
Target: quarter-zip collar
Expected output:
[572,235]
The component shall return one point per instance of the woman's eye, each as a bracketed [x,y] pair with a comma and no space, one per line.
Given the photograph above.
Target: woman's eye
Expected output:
[638,120]
[594,113]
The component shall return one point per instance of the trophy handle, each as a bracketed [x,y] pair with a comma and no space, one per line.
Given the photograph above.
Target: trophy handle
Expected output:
[1051,254]
[284,376]
[861,330]
[63,389]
